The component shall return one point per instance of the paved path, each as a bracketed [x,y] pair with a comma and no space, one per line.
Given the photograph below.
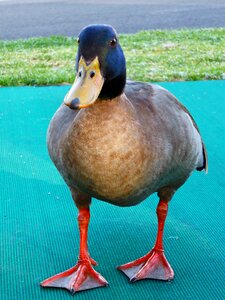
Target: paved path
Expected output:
[26,18]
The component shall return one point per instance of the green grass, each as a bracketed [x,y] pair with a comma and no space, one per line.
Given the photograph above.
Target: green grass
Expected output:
[157,55]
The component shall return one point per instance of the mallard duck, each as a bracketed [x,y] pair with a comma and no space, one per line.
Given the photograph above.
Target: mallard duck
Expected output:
[119,142]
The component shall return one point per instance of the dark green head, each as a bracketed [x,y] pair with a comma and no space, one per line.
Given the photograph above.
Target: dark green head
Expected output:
[102,41]
[100,65]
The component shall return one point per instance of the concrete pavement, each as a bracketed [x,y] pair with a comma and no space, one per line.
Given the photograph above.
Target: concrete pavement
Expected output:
[26,18]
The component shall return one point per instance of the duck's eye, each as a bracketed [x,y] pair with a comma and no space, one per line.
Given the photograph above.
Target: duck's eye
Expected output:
[92,74]
[113,42]
[79,74]
[78,41]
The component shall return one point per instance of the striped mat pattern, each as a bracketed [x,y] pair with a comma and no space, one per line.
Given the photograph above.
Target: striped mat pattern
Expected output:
[38,227]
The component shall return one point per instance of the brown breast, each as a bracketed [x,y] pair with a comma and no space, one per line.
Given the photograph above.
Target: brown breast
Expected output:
[106,152]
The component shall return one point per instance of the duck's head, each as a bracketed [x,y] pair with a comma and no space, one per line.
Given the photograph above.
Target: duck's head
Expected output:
[100,66]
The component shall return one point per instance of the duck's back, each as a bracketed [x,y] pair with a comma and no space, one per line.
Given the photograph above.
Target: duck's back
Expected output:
[124,149]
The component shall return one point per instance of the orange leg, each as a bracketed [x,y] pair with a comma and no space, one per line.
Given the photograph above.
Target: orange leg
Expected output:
[154,264]
[82,276]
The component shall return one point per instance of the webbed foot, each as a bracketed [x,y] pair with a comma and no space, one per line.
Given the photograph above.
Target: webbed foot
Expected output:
[78,278]
[153,265]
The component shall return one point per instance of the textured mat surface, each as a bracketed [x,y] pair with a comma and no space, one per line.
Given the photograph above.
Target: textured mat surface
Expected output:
[38,228]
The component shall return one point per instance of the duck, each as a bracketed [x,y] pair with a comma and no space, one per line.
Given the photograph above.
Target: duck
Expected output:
[119,141]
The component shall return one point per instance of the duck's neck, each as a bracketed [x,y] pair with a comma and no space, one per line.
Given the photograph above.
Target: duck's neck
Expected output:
[113,88]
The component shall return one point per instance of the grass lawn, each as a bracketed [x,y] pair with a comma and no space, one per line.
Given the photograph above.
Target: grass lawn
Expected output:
[156,55]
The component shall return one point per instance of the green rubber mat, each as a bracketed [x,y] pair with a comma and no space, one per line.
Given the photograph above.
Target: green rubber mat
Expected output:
[39,232]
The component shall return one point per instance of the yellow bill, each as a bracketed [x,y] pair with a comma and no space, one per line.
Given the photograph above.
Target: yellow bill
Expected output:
[87,85]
